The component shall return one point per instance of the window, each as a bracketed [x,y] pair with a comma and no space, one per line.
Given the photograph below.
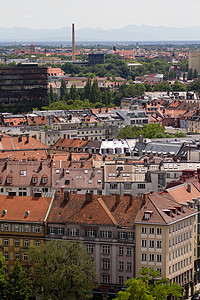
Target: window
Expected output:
[91,232]
[128,266]
[143,257]
[26,243]
[106,234]
[144,230]
[159,258]
[67,182]
[61,231]
[127,186]
[121,251]
[159,270]
[169,270]
[6,270]
[22,173]
[38,229]
[106,278]
[128,251]
[90,248]
[34,180]
[9,180]
[151,257]
[113,186]
[144,243]
[151,230]
[121,280]
[106,249]
[37,243]
[159,244]
[16,256]
[106,264]
[141,186]
[16,243]
[73,232]
[169,256]
[151,243]
[6,242]
[25,257]
[6,227]
[121,265]
[159,231]
[6,255]
[44,180]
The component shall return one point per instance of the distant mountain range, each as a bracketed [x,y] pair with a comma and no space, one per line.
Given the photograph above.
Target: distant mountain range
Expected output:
[131,33]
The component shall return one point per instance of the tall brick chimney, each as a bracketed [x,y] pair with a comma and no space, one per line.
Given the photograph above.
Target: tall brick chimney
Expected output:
[73,43]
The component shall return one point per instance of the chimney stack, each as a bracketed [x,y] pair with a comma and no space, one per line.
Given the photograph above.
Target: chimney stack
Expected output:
[73,43]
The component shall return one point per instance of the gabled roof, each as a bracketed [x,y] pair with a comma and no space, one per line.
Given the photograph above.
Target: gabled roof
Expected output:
[94,209]
[183,192]
[160,205]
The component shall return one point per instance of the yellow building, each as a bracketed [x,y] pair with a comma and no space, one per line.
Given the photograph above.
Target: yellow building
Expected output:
[165,239]
[22,224]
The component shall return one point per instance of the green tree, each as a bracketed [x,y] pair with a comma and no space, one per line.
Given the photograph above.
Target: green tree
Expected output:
[20,286]
[95,95]
[151,286]
[153,130]
[4,279]
[73,93]
[136,289]
[87,88]
[195,74]
[130,131]
[65,270]
[63,89]
[178,87]
[190,74]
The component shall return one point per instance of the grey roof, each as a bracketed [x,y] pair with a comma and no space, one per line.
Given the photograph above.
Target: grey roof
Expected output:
[163,147]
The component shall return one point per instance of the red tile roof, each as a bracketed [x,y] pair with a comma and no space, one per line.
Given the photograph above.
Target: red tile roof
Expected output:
[16,207]
[95,209]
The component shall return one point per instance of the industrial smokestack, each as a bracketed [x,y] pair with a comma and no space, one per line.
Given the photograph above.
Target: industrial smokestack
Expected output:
[73,43]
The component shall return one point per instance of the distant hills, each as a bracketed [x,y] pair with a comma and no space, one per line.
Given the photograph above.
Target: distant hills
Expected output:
[131,33]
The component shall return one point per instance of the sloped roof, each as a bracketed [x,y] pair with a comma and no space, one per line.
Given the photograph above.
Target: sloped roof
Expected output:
[16,207]
[158,204]
[181,193]
[96,210]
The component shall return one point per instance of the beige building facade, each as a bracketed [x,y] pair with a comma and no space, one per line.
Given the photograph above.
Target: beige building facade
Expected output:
[165,239]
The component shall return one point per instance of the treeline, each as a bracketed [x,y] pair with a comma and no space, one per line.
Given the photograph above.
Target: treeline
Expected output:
[150,131]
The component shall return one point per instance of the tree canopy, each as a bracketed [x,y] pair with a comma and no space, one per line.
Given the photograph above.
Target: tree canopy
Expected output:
[150,286]
[148,131]
[64,270]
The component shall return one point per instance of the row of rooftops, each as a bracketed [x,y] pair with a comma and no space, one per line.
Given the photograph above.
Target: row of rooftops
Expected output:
[89,209]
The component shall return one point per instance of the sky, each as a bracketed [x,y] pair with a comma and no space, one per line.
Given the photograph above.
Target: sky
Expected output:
[106,14]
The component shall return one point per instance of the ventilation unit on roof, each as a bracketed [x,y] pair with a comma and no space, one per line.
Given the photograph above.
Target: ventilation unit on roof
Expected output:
[4,212]
[27,213]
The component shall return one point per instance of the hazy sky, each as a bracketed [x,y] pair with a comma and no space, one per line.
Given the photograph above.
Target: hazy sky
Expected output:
[106,14]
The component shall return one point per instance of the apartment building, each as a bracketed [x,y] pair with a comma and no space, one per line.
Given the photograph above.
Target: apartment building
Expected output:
[22,224]
[25,178]
[105,224]
[165,239]
[78,176]
[50,137]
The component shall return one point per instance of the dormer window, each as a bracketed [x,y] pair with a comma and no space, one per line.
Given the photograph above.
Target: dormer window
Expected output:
[44,179]
[34,179]
[147,215]
[9,179]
